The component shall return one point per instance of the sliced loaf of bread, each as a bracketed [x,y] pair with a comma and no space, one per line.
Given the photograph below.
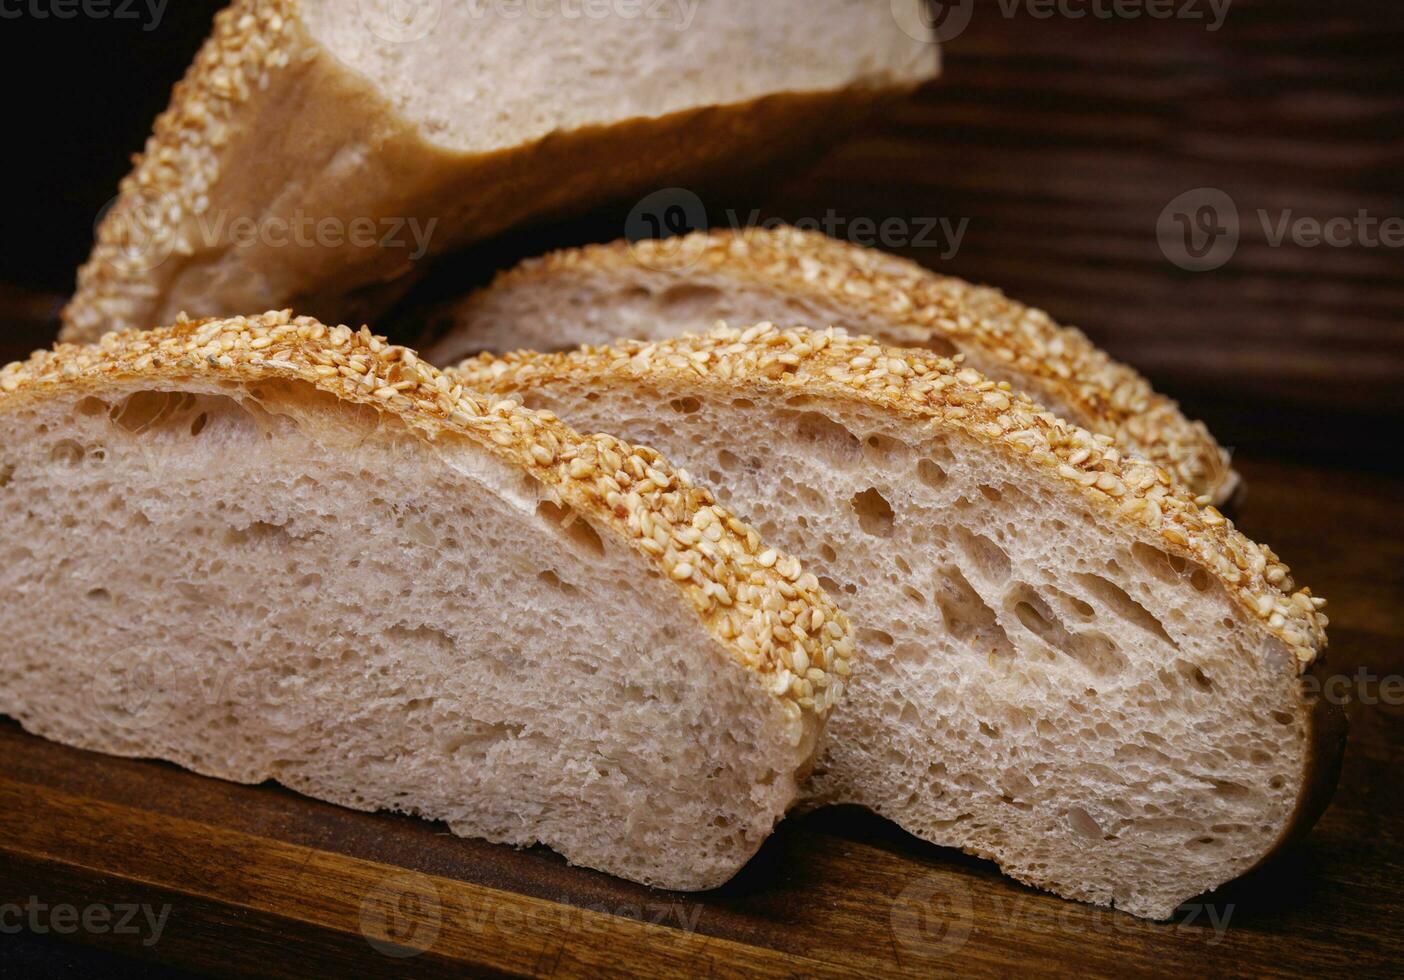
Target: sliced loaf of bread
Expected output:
[655,289]
[317,150]
[1066,663]
[267,549]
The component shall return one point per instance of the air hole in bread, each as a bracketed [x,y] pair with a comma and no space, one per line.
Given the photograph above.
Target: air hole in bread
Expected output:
[1092,649]
[256,532]
[554,580]
[7,473]
[1197,678]
[989,558]
[881,446]
[838,445]
[91,406]
[482,737]
[728,460]
[875,514]
[1082,823]
[914,595]
[1119,601]
[1036,622]
[686,405]
[827,552]
[67,453]
[930,473]
[1232,791]
[1072,604]
[870,637]
[577,529]
[679,300]
[98,595]
[143,409]
[198,426]
[1161,564]
[968,617]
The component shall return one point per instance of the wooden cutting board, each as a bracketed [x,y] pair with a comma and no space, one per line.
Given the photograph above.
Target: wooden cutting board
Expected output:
[255,878]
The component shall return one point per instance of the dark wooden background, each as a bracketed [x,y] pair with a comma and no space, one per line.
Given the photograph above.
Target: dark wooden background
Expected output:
[1061,141]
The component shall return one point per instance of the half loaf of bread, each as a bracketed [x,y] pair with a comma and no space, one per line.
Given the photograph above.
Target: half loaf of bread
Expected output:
[655,289]
[267,549]
[1067,665]
[318,149]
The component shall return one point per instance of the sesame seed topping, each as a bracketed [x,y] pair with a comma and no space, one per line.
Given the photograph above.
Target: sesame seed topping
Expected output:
[712,556]
[943,390]
[912,306]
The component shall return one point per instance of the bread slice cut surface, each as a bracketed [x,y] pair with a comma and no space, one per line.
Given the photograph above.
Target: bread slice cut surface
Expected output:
[319,152]
[652,290]
[263,548]
[1067,665]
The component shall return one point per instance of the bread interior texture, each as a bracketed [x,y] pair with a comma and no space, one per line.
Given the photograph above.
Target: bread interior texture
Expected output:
[259,581]
[1040,683]
[477,77]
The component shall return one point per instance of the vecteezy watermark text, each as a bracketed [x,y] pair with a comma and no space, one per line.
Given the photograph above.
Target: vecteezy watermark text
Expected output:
[404,914]
[98,919]
[670,214]
[147,233]
[149,12]
[1200,230]
[946,20]
[936,915]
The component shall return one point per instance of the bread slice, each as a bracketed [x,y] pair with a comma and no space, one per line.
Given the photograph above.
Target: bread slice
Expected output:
[655,289]
[318,148]
[1066,664]
[265,549]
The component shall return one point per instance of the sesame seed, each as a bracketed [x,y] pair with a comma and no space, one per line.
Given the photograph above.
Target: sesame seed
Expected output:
[654,508]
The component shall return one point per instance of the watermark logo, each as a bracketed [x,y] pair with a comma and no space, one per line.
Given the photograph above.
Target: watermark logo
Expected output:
[401,917]
[96,919]
[664,219]
[946,20]
[1211,13]
[401,21]
[933,916]
[933,20]
[127,689]
[140,232]
[1199,230]
[659,229]
[149,12]
[144,232]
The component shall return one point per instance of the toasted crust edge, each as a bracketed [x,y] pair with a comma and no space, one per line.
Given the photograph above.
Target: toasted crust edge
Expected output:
[1061,362]
[257,44]
[941,391]
[737,587]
